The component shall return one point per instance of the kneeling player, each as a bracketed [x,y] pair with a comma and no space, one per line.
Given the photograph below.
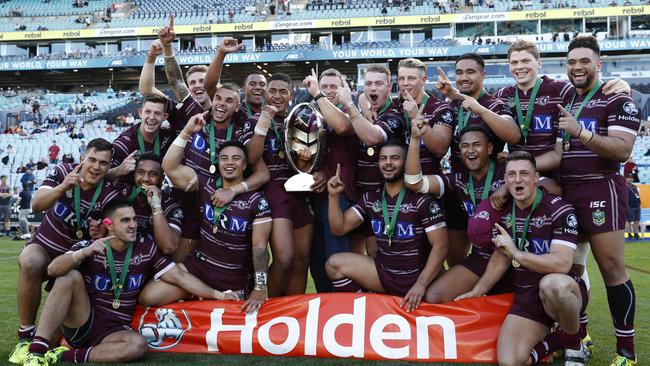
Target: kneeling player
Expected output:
[410,231]
[90,303]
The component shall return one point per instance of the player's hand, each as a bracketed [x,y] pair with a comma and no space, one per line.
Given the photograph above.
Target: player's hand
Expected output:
[196,123]
[471,104]
[73,178]
[271,110]
[320,183]
[226,295]
[311,83]
[154,195]
[254,302]
[345,93]
[444,86]
[166,34]
[335,185]
[96,228]
[413,297]
[128,164]
[97,247]
[615,86]
[155,48]
[502,156]
[499,198]
[366,109]
[419,127]
[504,242]
[469,295]
[222,196]
[409,105]
[567,122]
[230,45]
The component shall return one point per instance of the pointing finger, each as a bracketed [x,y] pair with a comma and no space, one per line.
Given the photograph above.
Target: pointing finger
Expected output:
[442,74]
[171,22]
[338,170]
[501,229]
[313,73]
[78,167]
[562,110]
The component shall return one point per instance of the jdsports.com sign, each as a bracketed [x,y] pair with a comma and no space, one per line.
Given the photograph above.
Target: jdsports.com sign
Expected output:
[330,325]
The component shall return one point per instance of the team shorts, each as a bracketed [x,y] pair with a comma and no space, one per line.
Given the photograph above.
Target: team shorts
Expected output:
[455,217]
[477,261]
[92,332]
[601,206]
[214,276]
[396,285]
[289,205]
[191,216]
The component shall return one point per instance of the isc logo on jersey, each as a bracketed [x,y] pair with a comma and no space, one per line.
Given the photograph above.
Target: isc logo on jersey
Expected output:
[403,230]
[231,224]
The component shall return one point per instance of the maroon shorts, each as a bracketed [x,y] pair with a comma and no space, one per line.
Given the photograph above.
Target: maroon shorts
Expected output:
[51,251]
[454,215]
[477,261]
[216,277]
[527,303]
[92,332]
[192,216]
[289,205]
[601,206]
[396,285]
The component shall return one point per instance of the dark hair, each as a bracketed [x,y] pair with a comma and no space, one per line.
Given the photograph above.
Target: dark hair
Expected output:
[149,156]
[113,206]
[154,99]
[99,144]
[521,155]
[234,143]
[3,176]
[472,56]
[254,73]
[475,128]
[282,77]
[589,42]
[395,142]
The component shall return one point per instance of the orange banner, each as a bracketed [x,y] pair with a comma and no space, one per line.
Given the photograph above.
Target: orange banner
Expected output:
[338,325]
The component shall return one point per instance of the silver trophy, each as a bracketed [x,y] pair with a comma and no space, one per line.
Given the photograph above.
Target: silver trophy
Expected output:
[305,130]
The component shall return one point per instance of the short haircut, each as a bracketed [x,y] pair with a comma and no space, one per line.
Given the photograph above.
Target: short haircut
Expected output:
[412,63]
[154,99]
[524,45]
[149,157]
[522,155]
[230,87]
[397,143]
[282,77]
[99,144]
[472,56]
[476,128]
[3,176]
[196,68]
[234,143]
[113,206]
[332,72]
[585,42]
[255,73]
[378,68]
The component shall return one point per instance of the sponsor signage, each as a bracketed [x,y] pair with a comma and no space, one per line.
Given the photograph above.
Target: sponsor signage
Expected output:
[342,325]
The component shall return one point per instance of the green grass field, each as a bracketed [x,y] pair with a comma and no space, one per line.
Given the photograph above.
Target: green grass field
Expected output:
[600,324]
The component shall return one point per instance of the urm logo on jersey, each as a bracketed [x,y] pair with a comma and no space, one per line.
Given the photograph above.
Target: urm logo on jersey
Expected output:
[403,230]
[102,283]
[542,123]
[232,224]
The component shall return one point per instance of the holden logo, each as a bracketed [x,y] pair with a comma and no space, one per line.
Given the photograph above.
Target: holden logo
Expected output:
[164,331]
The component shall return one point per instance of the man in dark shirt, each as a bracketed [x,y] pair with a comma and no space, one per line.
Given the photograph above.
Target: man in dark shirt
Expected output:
[633,208]
[28,179]
[6,193]
[24,204]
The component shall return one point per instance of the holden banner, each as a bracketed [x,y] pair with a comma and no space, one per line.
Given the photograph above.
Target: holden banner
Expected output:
[342,325]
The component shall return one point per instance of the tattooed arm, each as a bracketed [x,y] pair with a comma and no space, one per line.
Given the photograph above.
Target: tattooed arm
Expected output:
[174,74]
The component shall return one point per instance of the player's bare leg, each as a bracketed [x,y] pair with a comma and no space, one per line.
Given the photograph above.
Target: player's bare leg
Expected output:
[458,246]
[456,281]
[351,272]
[517,337]
[297,277]
[282,249]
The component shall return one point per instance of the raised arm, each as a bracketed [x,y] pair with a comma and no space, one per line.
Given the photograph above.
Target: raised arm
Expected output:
[47,196]
[147,81]
[174,73]
[183,177]
[167,238]
[413,177]
[341,222]
[228,45]
[503,126]
[367,131]
[335,118]
[255,146]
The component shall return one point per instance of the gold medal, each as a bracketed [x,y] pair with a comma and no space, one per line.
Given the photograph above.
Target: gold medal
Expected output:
[281,153]
[80,234]
[213,169]
[567,145]
[515,264]
[116,304]
[215,228]
[370,151]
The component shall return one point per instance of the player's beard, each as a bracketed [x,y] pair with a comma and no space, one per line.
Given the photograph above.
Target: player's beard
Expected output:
[399,175]
[589,78]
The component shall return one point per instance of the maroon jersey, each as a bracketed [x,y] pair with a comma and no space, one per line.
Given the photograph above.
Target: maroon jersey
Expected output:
[459,183]
[392,125]
[495,105]
[171,201]
[434,112]
[180,113]
[57,232]
[273,155]
[543,129]
[242,114]
[409,250]
[197,151]
[127,142]
[147,262]
[602,114]
[554,222]
[228,253]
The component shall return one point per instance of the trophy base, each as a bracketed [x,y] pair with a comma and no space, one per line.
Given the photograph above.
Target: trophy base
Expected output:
[299,183]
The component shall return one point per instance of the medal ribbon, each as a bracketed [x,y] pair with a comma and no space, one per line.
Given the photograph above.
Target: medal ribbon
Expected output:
[590,95]
[407,118]
[522,240]
[156,142]
[249,113]
[214,158]
[384,107]
[118,286]
[524,123]
[486,186]
[135,191]
[462,118]
[76,194]
[390,222]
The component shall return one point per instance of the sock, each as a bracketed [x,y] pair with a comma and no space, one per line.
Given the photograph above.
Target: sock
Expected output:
[346,285]
[621,300]
[26,332]
[545,347]
[39,345]
[571,341]
[584,321]
[76,355]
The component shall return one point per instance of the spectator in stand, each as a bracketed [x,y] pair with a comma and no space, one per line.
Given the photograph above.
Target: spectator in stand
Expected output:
[53,153]
[6,193]
[31,164]
[130,120]
[24,204]
[42,164]
[82,149]
[28,179]
[631,169]
[68,158]
[633,209]
[21,169]
[9,155]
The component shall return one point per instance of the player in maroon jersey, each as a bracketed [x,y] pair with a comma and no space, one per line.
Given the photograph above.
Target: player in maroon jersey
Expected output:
[95,293]
[410,231]
[71,197]
[599,134]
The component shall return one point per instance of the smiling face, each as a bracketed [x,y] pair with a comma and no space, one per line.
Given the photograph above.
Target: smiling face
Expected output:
[279,95]
[152,115]
[475,150]
[411,80]
[377,88]
[148,173]
[391,163]
[95,166]
[524,68]
[255,88]
[329,86]
[195,82]
[521,179]
[469,76]
[224,104]
[583,66]
[232,163]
